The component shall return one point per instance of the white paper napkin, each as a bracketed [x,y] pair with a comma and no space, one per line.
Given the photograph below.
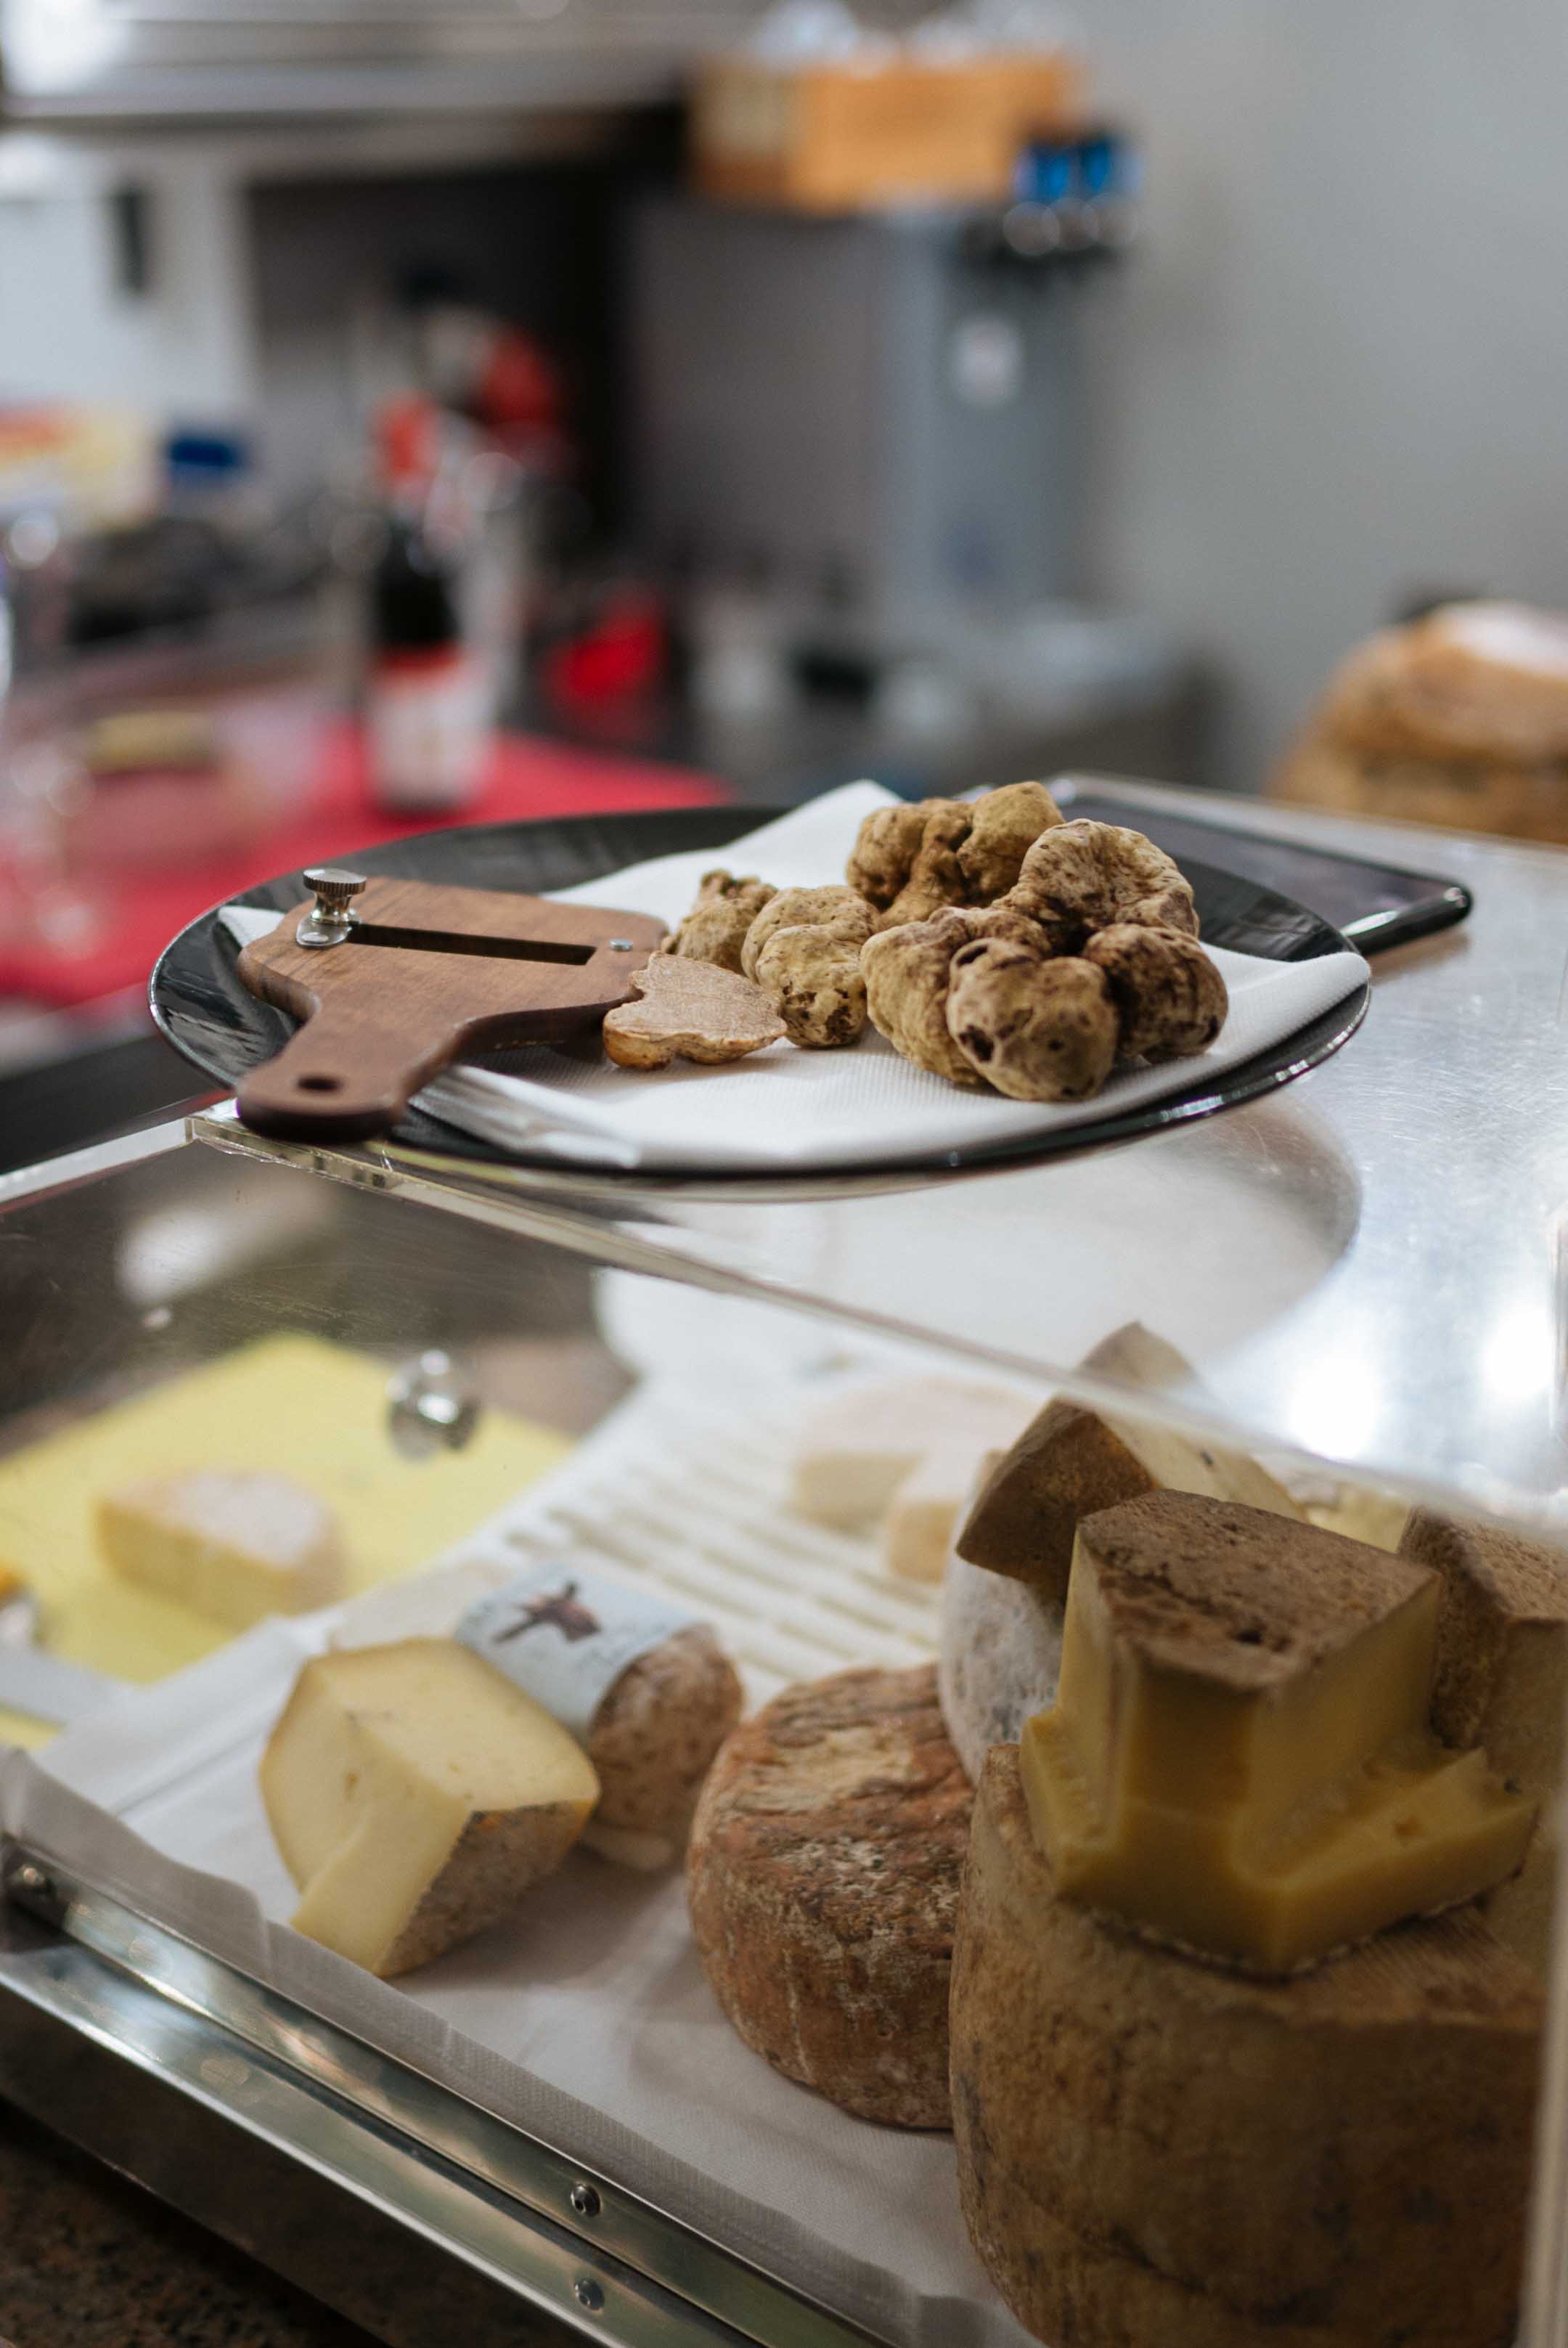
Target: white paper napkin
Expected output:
[793,1111]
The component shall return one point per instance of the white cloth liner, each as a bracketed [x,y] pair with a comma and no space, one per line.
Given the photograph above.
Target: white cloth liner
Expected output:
[792,1111]
[587,2022]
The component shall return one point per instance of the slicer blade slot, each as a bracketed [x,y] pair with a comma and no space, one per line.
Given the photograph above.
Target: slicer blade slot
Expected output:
[458,942]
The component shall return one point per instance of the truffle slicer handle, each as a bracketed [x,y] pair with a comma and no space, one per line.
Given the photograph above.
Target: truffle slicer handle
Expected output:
[343,1077]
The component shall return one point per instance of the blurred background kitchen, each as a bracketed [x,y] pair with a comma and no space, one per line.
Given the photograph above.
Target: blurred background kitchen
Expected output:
[428,410]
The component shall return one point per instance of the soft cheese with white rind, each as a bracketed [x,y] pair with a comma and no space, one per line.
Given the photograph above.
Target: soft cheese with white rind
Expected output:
[1153,2150]
[235,1544]
[999,1659]
[415,1796]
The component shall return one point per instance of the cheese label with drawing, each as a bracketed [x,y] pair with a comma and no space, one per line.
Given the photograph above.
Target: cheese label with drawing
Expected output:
[565,1636]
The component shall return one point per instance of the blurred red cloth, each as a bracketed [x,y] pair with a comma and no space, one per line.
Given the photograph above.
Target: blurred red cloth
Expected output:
[530,778]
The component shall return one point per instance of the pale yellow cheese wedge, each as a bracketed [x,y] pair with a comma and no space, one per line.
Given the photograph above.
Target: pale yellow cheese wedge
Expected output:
[415,1796]
[1238,1758]
[863,1439]
[236,1545]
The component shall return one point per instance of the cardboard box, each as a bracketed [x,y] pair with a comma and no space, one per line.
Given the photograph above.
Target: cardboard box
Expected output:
[830,138]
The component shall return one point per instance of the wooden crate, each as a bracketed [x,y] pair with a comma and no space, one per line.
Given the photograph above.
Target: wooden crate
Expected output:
[832,140]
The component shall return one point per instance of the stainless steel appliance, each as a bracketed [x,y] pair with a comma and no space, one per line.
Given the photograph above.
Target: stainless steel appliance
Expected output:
[875,419]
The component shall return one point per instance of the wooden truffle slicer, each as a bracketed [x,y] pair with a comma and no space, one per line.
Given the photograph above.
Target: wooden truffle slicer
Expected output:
[393,980]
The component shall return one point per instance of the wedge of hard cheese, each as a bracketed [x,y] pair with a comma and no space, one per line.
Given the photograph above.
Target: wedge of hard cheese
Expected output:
[1503,1685]
[1239,1757]
[647,1689]
[1071,1462]
[1155,2153]
[415,1796]
[234,1544]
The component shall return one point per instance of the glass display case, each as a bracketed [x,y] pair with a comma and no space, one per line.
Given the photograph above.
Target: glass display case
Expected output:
[552,2131]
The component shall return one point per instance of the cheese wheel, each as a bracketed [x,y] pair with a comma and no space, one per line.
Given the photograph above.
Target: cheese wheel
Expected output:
[1152,2149]
[822,1876]
[999,1660]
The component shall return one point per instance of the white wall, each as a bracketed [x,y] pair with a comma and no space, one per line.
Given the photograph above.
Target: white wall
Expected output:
[181,351]
[1337,370]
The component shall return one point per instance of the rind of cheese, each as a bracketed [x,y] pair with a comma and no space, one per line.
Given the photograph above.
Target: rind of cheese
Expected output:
[1503,1685]
[823,1880]
[1071,1462]
[1239,1758]
[655,1733]
[237,1545]
[1154,2150]
[858,1443]
[999,1659]
[415,1796]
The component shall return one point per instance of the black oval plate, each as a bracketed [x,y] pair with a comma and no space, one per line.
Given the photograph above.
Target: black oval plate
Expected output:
[202,1007]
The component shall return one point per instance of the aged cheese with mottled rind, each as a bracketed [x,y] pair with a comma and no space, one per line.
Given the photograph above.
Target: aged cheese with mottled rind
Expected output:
[1503,1685]
[415,1794]
[822,1876]
[656,1730]
[1239,1757]
[1155,2153]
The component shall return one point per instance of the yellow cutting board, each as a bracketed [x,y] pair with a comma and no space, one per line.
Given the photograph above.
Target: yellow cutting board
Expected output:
[295,1405]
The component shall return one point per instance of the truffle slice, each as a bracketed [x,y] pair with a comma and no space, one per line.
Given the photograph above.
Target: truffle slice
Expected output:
[690,1011]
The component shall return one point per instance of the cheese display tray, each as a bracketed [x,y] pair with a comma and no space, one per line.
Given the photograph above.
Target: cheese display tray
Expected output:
[803,1116]
[578,2048]
[321,1406]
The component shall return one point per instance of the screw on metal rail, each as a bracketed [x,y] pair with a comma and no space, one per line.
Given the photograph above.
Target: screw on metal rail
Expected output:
[584,2201]
[32,1890]
[589,2294]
